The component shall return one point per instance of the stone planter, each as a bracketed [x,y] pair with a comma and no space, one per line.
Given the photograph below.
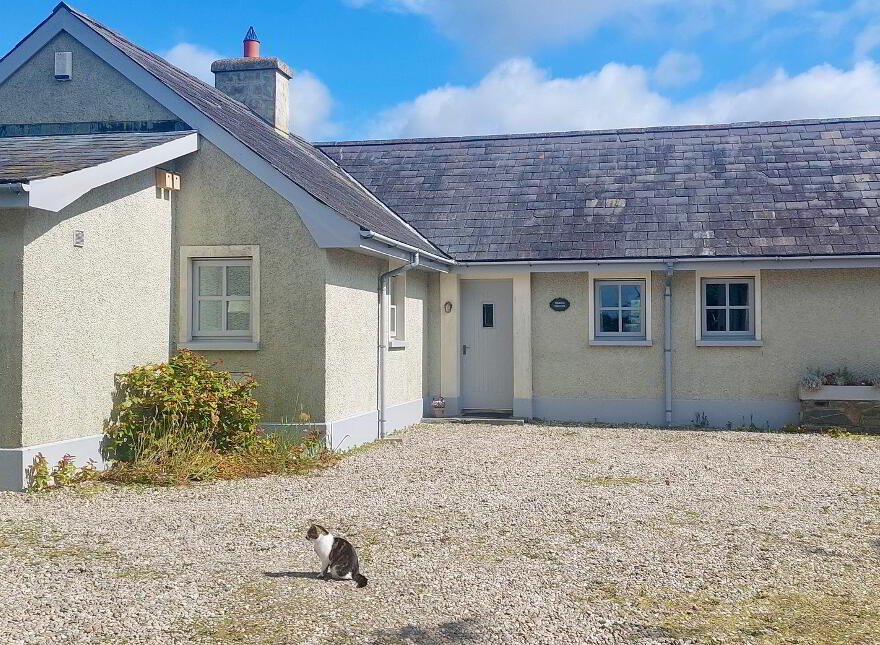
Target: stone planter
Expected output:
[847,406]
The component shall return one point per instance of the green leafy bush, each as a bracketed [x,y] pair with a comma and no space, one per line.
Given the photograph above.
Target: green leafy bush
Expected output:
[185,394]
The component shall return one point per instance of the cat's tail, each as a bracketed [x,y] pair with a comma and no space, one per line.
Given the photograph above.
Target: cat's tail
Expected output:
[360,579]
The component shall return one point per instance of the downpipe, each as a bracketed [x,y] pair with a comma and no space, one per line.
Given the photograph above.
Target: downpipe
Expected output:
[667,343]
[383,338]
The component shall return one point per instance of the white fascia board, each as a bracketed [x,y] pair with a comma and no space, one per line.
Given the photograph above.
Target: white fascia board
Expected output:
[54,193]
[328,228]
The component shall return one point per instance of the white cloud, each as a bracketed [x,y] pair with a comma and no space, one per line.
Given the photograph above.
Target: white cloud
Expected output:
[311,104]
[518,96]
[311,108]
[867,41]
[677,68]
[518,25]
[194,59]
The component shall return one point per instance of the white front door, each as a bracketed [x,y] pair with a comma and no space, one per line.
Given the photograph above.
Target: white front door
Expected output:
[487,345]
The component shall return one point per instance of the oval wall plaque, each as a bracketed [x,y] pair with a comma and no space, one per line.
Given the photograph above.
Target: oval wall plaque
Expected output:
[559,304]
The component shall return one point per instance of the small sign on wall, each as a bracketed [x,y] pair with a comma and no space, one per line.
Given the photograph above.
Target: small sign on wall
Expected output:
[559,304]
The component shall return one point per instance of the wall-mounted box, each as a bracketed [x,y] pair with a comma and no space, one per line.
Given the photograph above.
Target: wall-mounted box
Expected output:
[164,179]
[63,66]
[175,181]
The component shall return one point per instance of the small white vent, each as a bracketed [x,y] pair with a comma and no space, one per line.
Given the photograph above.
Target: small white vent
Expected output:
[63,65]
[79,239]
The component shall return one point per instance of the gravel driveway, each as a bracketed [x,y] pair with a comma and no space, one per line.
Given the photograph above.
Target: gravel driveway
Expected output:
[471,534]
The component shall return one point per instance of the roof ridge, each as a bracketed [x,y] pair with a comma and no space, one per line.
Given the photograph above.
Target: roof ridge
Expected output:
[739,125]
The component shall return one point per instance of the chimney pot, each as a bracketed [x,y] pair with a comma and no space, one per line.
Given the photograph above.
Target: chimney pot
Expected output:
[251,44]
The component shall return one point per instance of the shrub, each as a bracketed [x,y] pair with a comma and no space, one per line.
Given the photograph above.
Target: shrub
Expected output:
[186,394]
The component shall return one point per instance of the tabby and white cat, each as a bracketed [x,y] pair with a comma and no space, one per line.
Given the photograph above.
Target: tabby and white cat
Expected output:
[338,558]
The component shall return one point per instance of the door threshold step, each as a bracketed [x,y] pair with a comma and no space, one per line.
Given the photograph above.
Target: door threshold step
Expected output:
[494,421]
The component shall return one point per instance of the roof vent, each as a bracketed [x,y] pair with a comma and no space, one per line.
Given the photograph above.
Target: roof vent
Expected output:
[63,66]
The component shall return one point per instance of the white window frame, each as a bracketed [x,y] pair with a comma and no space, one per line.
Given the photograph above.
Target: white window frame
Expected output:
[395,296]
[630,339]
[190,256]
[727,338]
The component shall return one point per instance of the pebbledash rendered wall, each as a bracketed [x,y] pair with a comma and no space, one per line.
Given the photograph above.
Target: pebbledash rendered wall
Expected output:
[96,92]
[810,318]
[86,313]
[318,308]
[352,338]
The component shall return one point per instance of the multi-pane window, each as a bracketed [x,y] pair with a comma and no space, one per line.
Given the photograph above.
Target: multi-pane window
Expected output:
[221,298]
[620,309]
[728,307]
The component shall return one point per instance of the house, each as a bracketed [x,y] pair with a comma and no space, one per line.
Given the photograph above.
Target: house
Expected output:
[656,275]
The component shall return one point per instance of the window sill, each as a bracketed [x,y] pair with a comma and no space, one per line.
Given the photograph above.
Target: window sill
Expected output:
[219,345]
[641,342]
[730,343]
[396,344]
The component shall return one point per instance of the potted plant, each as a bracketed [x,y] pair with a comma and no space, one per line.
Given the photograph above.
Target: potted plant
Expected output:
[438,406]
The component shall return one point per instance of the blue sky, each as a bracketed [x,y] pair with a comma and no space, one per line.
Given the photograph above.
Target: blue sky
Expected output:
[389,68]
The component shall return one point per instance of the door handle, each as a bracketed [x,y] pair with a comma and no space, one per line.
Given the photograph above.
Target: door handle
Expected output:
[464,350]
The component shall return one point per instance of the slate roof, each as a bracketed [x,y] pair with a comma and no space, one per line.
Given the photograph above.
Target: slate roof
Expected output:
[25,158]
[742,190]
[295,158]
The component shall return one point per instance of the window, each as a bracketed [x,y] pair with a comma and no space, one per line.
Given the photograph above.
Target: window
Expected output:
[728,308]
[393,290]
[619,309]
[220,297]
[488,315]
[396,298]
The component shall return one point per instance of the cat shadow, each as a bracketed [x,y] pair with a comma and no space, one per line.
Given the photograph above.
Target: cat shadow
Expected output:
[292,574]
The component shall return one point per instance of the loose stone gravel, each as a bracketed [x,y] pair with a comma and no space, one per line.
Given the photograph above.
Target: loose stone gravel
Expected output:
[471,534]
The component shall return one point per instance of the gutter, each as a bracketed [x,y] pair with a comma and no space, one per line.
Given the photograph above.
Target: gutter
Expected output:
[18,187]
[704,258]
[667,343]
[382,346]
[372,235]
[15,195]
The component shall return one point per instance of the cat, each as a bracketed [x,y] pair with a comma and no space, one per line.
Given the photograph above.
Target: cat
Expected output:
[338,558]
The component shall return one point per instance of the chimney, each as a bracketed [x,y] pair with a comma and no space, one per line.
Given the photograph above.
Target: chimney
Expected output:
[261,83]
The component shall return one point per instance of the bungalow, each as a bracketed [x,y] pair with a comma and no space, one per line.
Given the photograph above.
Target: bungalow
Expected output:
[655,275]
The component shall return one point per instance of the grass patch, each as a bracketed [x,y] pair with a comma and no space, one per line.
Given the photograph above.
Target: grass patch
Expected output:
[610,480]
[36,540]
[139,573]
[769,618]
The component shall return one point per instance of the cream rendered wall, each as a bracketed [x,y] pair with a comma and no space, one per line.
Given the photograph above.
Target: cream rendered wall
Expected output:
[810,318]
[431,341]
[221,203]
[352,336]
[352,333]
[11,247]
[404,367]
[565,365]
[91,312]
[96,92]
